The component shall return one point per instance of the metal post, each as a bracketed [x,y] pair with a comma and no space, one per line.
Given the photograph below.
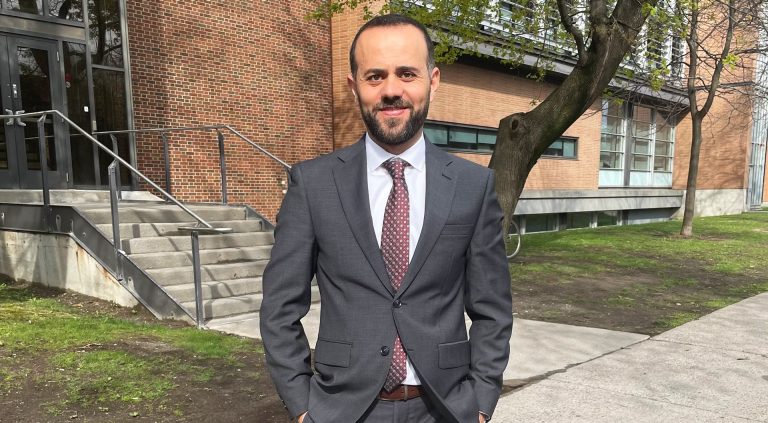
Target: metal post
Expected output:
[200,312]
[117,167]
[222,168]
[111,172]
[44,163]
[167,158]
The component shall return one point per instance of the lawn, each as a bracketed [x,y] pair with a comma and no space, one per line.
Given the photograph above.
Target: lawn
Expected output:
[641,278]
[66,357]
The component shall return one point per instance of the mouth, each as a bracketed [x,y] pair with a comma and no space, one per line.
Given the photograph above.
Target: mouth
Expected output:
[390,111]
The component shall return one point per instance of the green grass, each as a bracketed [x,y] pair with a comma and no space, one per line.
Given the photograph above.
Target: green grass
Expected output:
[96,359]
[645,278]
[725,244]
[102,377]
[675,320]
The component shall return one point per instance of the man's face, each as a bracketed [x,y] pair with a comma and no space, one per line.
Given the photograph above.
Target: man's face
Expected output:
[393,84]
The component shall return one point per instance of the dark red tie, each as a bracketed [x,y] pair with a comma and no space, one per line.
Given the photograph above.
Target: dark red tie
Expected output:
[394,247]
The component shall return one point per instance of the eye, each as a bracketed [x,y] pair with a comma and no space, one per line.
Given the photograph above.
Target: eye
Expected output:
[408,75]
[374,77]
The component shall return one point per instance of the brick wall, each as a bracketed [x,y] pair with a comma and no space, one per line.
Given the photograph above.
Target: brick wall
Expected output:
[258,66]
[476,96]
[726,137]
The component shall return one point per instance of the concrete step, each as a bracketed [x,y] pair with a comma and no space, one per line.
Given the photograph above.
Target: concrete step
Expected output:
[216,289]
[226,307]
[69,196]
[138,230]
[148,261]
[207,242]
[212,272]
[161,213]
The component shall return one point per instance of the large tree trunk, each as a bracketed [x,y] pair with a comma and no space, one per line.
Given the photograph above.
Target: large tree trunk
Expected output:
[523,137]
[693,172]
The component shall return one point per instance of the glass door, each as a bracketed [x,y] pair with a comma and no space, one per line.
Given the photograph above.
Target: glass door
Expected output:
[31,82]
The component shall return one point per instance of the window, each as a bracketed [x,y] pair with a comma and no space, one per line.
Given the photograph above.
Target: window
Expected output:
[636,147]
[71,10]
[607,218]
[460,137]
[563,147]
[480,139]
[541,222]
[578,220]
[612,136]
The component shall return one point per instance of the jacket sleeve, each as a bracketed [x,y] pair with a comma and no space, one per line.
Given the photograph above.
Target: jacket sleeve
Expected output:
[488,302]
[287,296]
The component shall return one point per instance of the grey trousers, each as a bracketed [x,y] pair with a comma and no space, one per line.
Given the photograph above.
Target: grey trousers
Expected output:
[415,410]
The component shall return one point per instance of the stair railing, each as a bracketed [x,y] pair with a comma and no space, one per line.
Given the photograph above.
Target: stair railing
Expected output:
[115,195]
[219,128]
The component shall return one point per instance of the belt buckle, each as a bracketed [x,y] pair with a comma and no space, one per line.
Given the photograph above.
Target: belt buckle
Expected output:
[405,393]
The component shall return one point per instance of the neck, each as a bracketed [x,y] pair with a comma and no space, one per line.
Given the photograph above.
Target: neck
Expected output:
[398,148]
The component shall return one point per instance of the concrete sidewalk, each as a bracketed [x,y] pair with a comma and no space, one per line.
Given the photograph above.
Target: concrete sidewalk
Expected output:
[711,369]
[538,348]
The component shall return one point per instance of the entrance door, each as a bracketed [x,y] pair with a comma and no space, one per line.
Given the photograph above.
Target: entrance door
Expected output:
[30,81]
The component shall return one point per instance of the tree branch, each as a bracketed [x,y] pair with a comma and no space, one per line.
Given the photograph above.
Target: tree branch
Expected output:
[721,62]
[564,7]
[598,13]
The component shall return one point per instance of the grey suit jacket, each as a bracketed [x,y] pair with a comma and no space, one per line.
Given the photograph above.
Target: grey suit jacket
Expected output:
[324,229]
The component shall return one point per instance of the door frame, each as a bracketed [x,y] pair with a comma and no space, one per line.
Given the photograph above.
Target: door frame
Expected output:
[26,178]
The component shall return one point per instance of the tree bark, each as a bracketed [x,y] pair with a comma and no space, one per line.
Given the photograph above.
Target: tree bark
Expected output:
[523,137]
[693,172]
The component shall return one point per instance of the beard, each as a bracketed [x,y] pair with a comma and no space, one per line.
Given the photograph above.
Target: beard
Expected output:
[387,132]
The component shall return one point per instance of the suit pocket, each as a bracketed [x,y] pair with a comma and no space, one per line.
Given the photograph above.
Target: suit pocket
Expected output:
[457,230]
[453,354]
[333,353]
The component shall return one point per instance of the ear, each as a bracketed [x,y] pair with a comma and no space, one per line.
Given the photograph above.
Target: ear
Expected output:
[352,86]
[434,82]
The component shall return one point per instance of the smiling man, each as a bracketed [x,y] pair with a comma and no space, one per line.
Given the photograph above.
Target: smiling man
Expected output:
[403,238]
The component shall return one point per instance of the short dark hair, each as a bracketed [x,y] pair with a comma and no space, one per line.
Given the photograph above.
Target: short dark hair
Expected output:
[393,19]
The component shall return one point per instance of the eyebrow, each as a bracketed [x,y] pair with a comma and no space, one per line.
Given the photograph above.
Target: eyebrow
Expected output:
[398,69]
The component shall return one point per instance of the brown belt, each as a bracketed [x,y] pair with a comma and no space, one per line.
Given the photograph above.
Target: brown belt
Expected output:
[402,393]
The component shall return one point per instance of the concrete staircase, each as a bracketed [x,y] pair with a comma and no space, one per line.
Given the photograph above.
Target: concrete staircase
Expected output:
[231,264]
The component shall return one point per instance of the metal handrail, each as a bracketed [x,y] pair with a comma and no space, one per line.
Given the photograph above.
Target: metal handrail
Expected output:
[222,155]
[114,197]
[116,157]
[201,128]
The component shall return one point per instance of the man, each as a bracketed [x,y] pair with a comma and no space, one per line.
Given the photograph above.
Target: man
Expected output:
[403,238]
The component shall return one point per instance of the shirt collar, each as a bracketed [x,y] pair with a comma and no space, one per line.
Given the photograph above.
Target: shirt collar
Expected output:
[375,155]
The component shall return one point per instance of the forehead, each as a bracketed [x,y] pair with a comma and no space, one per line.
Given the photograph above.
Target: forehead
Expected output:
[383,47]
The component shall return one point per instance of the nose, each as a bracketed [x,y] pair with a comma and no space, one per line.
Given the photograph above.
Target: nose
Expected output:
[392,88]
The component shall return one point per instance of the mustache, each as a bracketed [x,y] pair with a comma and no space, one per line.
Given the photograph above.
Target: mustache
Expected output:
[394,102]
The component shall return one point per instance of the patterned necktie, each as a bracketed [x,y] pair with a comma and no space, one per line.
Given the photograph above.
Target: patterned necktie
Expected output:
[394,247]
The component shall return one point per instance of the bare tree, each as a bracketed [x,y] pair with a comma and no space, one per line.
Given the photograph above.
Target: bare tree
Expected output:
[710,29]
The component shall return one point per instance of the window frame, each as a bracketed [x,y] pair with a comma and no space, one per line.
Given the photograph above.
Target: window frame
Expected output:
[575,156]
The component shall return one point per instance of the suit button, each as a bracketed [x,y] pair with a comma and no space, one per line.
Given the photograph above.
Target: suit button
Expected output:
[385,350]
[397,304]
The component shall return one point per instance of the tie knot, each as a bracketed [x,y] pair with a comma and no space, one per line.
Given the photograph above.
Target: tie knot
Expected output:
[396,167]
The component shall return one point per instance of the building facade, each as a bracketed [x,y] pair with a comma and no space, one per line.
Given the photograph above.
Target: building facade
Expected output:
[621,162]
[117,65]
[280,80]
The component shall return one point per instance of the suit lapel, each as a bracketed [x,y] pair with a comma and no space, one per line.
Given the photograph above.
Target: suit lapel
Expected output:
[351,181]
[441,184]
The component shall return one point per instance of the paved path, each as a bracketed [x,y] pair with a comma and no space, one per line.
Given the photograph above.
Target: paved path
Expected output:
[714,369]
[538,348]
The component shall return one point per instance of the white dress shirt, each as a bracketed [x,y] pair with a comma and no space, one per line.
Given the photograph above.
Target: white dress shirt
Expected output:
[379,186]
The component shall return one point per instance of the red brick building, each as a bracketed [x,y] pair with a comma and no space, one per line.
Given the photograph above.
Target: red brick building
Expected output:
[280,80]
